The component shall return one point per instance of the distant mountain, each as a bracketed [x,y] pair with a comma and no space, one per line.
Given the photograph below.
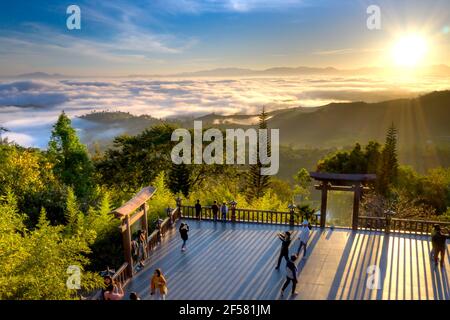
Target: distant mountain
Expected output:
[436,70]
[422,123]
[39,75]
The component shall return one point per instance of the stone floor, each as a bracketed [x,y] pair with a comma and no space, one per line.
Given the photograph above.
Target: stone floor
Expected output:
[237,261]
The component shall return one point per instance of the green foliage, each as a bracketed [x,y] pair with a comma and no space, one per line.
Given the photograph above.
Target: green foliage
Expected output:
[107,250]
[30,174]
[162,199]
[180,179]
[306,212]
[302,183]
[258,184]
[70,157]
[282,189]
[353,161]
[134,162]
[388,166]
[34,263]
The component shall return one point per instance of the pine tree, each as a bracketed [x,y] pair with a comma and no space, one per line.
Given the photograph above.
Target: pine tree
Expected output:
[72,213]
[388,168]
[179,179]
[257,184]
[72,163]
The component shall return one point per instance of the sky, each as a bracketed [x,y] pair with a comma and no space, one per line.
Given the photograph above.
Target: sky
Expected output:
[119,38]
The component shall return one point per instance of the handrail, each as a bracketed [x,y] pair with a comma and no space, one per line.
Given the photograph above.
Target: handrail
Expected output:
[245,215]
[155,237]
[120,276]
[399,225]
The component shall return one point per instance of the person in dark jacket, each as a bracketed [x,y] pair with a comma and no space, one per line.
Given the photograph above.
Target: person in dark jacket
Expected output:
[215,210]
[285,243]
[291,275]
[439,244]
[198,210]
[184,229]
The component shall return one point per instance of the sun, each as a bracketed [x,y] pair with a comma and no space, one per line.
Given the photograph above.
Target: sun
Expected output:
[409,50]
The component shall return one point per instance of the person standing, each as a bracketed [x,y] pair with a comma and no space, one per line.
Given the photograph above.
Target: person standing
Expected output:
[142,240]
[224,211]
[439,244]
[184,229]
[198,210]
[285,243]
[291,275]
[303,237]
[116,293]
[215,210]
[158,285]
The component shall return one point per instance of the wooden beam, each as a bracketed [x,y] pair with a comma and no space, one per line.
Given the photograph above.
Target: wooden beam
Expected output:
[323,206]
[356,199]
[340,188]
[327,176]
[145,218]
[126,238]
[139,199]
[133,219]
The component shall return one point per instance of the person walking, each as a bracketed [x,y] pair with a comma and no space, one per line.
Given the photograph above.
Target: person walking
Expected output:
[285,243]
[215,210]
[439,244]
[291,275]
[198,210]
[224,211]
[303,237]
[158,285]
[184,229]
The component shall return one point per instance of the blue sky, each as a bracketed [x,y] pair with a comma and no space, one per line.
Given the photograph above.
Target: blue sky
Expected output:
[169,36]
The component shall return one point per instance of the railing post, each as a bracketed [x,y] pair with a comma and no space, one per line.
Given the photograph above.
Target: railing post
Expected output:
[233,210]
[178,201]
[356,199]
[126,238]
[388,214]
[292,213]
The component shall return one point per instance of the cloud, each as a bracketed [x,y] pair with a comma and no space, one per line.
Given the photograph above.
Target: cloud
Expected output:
[345,51]
[87,83]
[31,93]
[201,6]
[168,97]
[20,138]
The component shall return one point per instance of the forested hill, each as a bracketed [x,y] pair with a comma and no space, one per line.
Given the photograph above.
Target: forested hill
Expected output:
[422,123]
[423,120]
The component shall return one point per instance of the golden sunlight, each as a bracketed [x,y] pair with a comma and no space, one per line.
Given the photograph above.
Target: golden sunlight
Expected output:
[409,50]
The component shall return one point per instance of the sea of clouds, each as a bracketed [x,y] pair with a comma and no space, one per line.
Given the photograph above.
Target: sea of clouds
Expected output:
[29,108]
